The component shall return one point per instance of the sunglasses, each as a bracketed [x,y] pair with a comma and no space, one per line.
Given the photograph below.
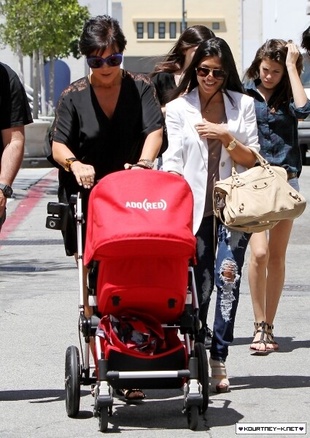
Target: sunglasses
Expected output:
[111,61]
[205,71]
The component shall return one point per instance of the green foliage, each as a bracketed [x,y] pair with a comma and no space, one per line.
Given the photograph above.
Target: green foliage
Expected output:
[53,26]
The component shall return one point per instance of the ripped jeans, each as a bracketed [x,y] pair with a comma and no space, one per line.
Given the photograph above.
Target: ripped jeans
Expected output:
[224,270]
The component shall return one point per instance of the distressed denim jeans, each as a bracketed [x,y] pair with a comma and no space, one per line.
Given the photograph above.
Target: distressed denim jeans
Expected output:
[231,250]
[223,269]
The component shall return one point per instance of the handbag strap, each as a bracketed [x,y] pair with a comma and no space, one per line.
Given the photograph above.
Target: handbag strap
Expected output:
[260,159]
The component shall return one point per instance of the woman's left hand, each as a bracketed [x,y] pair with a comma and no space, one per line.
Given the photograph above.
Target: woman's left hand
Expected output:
[292,54]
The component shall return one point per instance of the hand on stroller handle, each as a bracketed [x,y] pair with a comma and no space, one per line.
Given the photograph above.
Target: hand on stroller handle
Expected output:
[84,174]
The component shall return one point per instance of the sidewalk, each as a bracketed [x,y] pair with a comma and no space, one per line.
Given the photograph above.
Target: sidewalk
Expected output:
[36,278]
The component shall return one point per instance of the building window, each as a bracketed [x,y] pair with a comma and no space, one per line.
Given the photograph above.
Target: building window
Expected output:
[140,30]
[173,29]
[161,30]
[150,30]
[215,25]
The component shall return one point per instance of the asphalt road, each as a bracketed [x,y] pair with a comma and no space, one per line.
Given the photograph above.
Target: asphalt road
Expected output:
[38,321]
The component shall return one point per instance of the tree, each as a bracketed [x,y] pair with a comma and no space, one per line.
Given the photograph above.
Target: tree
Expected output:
[44,30]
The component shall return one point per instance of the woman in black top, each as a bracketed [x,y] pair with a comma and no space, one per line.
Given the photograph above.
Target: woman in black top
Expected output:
[104,122]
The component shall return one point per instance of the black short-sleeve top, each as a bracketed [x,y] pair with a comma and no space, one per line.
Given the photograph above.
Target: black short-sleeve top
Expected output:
[164,83]
[106,143]
[14,107]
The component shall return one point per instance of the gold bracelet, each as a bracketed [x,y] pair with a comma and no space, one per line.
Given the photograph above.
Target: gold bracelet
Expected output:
[69,161]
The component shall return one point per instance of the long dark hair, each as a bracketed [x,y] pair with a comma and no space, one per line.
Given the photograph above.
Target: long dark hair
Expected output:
[275,50]
[305,40]
[208,49]
[99,33]
[191,37]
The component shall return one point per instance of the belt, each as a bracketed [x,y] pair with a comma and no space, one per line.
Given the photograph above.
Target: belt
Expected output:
[291,175]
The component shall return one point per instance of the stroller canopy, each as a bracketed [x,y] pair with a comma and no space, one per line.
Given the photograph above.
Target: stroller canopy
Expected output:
[140,212]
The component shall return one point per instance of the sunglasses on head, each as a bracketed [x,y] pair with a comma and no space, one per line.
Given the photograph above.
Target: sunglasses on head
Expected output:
[112,60]
[205,71]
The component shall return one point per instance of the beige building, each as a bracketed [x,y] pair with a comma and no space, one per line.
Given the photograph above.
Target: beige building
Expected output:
[152,28]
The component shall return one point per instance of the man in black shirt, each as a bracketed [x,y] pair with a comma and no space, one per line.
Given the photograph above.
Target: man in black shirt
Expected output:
[14,115]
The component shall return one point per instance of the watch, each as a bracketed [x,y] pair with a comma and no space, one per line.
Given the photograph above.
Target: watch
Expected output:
[69,161]
[231,146]
[6,190]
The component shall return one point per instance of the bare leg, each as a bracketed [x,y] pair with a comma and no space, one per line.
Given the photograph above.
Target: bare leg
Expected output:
[257,281]
[257,274]
[278,241]
[266,279]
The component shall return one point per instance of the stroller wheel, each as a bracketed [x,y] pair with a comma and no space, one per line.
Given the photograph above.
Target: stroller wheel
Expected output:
[72,381]
[203,374]
[103,419]
[192,417]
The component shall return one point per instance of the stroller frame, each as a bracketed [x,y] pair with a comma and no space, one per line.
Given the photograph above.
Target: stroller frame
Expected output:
[79,371]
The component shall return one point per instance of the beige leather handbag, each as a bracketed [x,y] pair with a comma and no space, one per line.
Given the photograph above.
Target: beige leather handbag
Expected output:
[257,199]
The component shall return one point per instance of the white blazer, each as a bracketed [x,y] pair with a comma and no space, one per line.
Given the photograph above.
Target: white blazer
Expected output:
[187,153]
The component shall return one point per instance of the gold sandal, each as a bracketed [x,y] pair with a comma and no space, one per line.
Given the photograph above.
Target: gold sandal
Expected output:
[260,327]
[219,380]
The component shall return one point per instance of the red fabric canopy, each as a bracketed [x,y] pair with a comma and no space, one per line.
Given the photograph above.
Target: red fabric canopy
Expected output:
[140,212]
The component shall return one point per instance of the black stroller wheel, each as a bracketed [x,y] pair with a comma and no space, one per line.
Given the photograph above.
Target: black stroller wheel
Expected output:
[203,374]
[192,417]
[72,381]
[103,419]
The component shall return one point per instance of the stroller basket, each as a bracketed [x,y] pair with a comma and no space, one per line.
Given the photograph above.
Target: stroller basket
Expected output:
[126,355]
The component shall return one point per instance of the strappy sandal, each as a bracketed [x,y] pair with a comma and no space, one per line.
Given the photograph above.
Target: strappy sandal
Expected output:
[271,344]
[219,380]
[260,327]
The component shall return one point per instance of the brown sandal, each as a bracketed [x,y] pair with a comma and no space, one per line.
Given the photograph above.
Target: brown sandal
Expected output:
[131,394]
[271,344]
[260,327]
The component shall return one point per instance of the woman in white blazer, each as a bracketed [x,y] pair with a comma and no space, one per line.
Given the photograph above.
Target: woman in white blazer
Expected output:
[212,123]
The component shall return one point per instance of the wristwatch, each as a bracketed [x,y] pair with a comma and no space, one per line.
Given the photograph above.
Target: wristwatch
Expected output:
[231,146]
[69,161]
[6,190]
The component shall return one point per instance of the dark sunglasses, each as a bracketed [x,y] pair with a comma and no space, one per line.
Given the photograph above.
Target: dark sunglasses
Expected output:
[111,61]
[205,71]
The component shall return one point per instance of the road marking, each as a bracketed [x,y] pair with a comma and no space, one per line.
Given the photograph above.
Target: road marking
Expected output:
[27,204]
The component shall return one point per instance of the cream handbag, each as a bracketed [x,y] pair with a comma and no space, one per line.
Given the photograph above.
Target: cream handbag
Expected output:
[257,199]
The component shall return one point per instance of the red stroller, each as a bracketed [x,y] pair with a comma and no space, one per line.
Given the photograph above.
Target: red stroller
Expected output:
[140,250]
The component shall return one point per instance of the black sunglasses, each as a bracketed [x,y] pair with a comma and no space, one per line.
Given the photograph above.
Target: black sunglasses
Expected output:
[112,60]
[205,71]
